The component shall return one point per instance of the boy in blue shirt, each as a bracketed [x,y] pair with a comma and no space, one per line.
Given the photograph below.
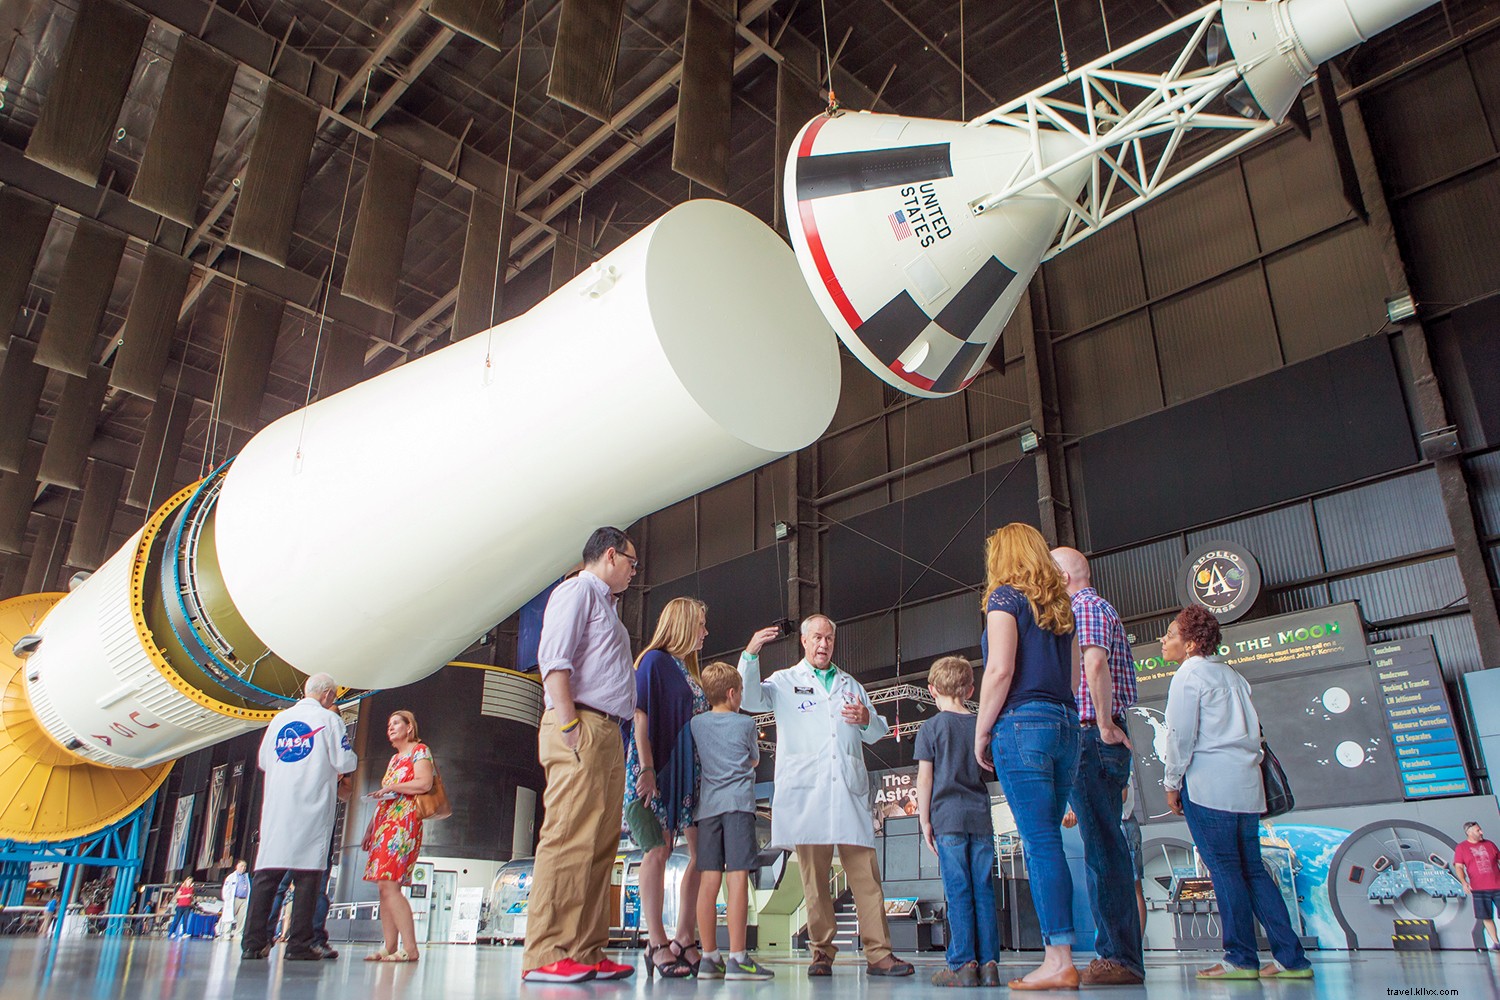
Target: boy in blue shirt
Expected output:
[727,755]
[955,814]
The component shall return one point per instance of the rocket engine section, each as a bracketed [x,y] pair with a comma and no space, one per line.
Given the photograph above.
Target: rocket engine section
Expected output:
[375,534]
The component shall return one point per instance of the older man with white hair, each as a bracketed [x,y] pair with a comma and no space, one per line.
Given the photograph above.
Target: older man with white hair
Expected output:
[306,756]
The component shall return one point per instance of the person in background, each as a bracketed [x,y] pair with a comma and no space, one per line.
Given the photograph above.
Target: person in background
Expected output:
[1027,729]
[584,657]
[662,770]
[1106,688]
[821,802]
[49,914]
[395,837]
[726,822]
[306,756]
[954,805]
[184,909]
[1213,780]
[234,892]
[1476,861]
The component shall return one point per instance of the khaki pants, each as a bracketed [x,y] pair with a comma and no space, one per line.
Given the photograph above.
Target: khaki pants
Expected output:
[567,914]
[815,861]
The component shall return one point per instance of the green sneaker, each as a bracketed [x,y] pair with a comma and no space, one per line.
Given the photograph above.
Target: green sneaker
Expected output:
[1274,970]
[710,969]
[748,969]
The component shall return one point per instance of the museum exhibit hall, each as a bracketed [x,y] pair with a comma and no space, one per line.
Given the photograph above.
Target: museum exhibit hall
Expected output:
[560,497]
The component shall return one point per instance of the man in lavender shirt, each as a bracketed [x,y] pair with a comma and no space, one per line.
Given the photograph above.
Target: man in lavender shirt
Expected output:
[590,691]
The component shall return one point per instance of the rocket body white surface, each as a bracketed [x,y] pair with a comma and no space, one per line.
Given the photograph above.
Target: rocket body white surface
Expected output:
[376,534]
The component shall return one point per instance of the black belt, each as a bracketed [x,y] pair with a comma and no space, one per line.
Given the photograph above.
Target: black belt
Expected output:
[580,707]
[1118,720]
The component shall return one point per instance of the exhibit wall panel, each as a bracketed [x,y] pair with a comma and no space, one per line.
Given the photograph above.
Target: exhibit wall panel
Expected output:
[1202,230]
[1448,234]
[1403,591]
[1099,278]
[938,628]
[1385,520]
[1284,540]
[1427,124]
[1327,292]
[1139,580]
[1108,375]
[743,595]
[726,521]
[1294,187]
[1219,333]
[1484,481]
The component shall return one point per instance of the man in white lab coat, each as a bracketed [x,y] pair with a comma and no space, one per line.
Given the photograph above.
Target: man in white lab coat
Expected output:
[821,800]
[306,756]
[235,893]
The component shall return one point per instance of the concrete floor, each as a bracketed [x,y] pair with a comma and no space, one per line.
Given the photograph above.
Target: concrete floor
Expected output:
[96,969]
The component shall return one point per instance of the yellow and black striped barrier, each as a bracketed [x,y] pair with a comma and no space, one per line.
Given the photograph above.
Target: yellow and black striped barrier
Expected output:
[1414,935]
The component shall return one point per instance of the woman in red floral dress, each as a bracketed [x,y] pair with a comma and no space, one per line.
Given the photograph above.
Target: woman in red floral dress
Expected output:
[395,837]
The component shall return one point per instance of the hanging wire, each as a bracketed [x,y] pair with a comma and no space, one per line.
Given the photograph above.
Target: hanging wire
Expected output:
[1061,40]
[332,263]
[963,74]
[161,456]
[833,101]
[211,434]
[505,194]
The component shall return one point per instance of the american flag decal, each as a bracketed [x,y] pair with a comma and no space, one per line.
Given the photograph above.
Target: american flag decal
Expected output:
[899,225]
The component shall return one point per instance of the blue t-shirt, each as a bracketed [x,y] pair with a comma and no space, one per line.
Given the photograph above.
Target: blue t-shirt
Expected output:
[1044,660]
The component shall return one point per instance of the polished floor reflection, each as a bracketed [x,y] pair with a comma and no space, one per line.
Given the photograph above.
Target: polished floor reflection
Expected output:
[96,969]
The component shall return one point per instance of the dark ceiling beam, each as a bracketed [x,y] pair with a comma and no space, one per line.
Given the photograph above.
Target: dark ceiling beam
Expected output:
[409,75]
[938,50]
[144,225]
[414,16]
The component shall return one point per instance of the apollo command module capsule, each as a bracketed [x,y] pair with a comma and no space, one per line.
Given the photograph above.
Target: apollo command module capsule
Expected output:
[919,237]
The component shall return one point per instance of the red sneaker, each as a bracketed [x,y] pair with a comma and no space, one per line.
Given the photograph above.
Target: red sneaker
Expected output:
[564,970]
[607,969]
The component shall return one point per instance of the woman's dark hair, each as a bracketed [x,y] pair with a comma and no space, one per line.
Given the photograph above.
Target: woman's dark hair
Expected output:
[1198,626]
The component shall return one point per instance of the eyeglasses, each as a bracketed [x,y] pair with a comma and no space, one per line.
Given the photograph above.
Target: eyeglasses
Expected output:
[635,563]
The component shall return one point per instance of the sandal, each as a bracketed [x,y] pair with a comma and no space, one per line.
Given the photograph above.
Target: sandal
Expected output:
[683,949]
[677,968]
[399,956]
[1223,970]
[378,956]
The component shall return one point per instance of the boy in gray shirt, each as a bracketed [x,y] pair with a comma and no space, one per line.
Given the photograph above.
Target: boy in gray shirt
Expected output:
[727,756]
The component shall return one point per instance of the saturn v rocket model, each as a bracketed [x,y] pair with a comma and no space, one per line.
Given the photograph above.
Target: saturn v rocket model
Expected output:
[919,237]
[374,534]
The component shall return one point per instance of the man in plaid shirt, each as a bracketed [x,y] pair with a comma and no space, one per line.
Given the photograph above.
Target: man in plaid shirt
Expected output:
[1106,688]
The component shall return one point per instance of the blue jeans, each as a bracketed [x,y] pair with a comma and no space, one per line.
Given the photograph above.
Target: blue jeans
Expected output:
[1103,771]
[1230,846]
[179,920]
[967,862]
[1035,748]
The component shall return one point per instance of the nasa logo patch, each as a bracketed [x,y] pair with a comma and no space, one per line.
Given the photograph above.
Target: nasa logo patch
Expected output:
[345,742]
[1222,577]
[807,706]
[295,741]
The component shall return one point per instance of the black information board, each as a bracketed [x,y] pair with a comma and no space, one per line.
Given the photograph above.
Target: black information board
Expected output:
[1420,718]
[1317,699]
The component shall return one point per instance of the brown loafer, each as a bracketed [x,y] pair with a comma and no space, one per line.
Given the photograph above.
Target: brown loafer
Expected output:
[822,965]
[1065,980]
[890,966]
[1108,972]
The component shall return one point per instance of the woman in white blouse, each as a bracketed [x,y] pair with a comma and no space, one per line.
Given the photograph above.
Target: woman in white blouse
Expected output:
[1213,780]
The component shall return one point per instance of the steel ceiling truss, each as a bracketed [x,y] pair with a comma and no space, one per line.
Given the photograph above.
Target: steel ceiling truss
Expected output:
[1131,126]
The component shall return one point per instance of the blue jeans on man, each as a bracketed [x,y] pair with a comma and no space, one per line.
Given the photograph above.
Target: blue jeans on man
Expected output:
[1229,843]
[1103,771]
[967,862]
[1035,750]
